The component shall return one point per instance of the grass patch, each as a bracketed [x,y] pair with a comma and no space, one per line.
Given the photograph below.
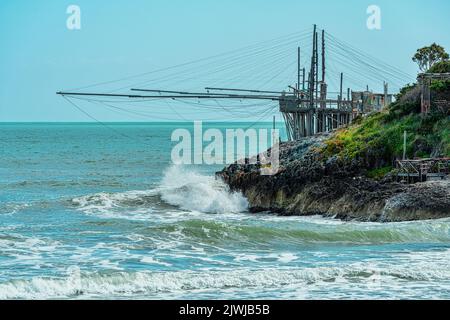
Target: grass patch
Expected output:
[379,173]
[376,141]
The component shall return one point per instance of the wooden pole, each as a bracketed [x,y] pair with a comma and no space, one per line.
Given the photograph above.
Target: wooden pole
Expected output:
[303,85]
[298,69]
[404,145]
[314,116]
[340,90]
[313,69]
[323,56]
[317,68]
[323,86]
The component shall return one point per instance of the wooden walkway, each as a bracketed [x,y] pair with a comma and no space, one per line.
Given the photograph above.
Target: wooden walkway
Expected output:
[420,170]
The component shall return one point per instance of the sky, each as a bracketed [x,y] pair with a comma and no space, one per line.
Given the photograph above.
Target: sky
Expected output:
[39,55]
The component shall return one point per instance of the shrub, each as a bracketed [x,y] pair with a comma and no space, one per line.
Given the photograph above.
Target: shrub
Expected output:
[376,141]
[379,173]
[440,85]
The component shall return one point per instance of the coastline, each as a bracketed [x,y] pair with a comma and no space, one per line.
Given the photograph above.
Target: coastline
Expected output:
[309,184]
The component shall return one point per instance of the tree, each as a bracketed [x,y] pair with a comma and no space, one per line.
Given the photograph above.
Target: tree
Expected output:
[427,57]
[440,67]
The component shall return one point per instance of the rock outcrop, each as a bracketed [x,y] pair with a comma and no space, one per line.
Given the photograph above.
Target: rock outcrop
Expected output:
[310,184]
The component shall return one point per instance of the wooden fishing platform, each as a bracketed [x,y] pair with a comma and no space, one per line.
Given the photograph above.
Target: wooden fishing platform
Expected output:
[307,108]
[302,120]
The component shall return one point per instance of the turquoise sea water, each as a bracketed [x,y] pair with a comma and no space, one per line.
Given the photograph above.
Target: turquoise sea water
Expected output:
[93,212]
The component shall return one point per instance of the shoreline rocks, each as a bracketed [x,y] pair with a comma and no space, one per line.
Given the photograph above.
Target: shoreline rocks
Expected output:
[308,184]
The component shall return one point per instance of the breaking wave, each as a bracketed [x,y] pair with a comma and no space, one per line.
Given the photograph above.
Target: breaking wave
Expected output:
[304,231]
[180,283]
[109,201]
[179,188]
[190,190]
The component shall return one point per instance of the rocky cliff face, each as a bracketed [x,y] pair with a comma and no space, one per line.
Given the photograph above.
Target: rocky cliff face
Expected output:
[309,184]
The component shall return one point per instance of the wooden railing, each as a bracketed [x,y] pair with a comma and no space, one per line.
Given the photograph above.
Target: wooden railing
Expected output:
[419,170]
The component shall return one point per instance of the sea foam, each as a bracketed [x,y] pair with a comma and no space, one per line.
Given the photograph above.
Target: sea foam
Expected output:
[190,190]
[361,280]
[181,188]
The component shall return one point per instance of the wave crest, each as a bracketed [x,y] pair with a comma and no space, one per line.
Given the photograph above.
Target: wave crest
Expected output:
[183,283]
[190,190]
[180,188]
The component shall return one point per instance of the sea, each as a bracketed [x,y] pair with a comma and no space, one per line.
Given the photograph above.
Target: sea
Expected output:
[99,211]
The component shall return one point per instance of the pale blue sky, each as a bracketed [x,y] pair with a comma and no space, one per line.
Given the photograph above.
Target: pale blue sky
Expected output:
[39,55]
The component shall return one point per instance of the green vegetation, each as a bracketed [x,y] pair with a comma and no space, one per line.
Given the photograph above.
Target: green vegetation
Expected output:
[440,67]
[405,90]
[375,141]
[379,173]
[427,57]
[440,85]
